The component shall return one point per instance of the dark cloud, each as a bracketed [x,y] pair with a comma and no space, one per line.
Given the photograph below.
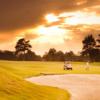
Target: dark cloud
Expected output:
[20,14]
[12,36]
[30,36]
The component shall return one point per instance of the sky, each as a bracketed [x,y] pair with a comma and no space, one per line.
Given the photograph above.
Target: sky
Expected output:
[59,24]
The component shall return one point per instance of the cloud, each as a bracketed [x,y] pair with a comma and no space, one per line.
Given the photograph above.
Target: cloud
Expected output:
[78,34]
[30,36]
[95,9]
[6,37]
[17,16]
[80,31]
[22,14]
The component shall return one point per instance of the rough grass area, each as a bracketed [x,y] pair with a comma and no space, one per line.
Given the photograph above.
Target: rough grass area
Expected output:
[14,87]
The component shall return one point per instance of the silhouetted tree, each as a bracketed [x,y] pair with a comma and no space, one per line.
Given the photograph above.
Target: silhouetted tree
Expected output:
[59,56]
[7,55]
[98,42]
[90,49]
[97,52]
[50,56]
[70,55]
[22,47]
[88,42]
[31,56]
[53,55]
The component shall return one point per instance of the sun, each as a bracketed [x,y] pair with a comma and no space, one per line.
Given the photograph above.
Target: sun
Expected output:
[51,18]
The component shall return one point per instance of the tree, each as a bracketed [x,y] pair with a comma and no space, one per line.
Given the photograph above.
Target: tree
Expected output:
[52,51]
[59,56]
[50,55]
[22,47]
[31,56]
[90,48]
[70,55]
[88,42]
[7,55]
[97,52]
[98,42]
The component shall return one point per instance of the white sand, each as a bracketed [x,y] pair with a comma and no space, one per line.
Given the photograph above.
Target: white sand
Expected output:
[80,86]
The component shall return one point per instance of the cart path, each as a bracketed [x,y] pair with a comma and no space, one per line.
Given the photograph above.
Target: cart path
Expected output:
[80,86]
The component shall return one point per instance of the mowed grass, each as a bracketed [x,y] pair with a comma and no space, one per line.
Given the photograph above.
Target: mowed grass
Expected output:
[28,69]
[14,87]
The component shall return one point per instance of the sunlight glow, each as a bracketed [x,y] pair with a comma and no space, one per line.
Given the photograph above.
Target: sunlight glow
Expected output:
[52,35]
[51,18]
[48,31]
[76,18]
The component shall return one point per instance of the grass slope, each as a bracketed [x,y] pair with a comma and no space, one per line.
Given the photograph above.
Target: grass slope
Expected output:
[14,87]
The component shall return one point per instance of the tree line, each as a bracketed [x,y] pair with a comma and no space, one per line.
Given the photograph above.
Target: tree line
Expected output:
[23,52]
[51,55]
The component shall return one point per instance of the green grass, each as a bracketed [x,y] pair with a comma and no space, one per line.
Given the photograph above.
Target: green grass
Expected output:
[28,69]
[14,87]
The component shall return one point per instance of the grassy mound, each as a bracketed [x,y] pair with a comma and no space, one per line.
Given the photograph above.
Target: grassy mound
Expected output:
[13,87]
